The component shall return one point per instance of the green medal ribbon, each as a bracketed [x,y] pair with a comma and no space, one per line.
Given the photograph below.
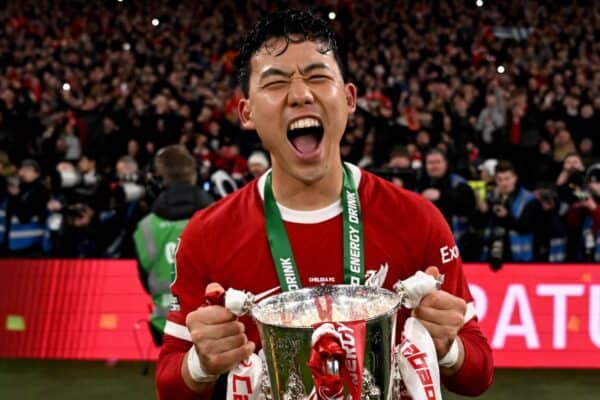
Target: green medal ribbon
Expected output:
[281,250]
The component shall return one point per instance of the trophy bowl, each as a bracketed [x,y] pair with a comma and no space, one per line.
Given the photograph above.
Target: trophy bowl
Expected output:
[286,323]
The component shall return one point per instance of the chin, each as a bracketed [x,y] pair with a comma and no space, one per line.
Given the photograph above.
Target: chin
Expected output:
[309,174]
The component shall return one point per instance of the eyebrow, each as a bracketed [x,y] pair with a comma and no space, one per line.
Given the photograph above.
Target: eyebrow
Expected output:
[275,72]
[279,72]
[313,66]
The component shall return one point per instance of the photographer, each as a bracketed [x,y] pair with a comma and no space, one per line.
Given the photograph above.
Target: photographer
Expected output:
[583,218]
[26,211]
[127,206]
[450,193]
[157,234]
[570,179]
[512,214]
[79,197]
[550,231]
[483,189]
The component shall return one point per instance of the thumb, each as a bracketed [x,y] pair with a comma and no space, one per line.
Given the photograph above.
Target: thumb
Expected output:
[433,271]
[213,287]
[214,293]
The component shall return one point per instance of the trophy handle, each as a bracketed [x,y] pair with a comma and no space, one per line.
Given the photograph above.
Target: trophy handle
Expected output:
[412,289]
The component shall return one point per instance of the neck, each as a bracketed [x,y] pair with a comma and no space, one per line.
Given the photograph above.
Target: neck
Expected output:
[305,196]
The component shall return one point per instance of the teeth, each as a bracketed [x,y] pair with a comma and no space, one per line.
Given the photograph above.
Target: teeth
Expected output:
[305,123]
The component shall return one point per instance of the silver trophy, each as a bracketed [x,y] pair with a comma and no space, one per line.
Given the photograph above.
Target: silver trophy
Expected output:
[285,322]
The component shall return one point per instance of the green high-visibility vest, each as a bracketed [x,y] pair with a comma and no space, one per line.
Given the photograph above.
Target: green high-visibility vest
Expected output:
[156,241]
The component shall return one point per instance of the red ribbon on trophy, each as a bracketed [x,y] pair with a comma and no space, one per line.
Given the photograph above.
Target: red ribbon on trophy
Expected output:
[336,359]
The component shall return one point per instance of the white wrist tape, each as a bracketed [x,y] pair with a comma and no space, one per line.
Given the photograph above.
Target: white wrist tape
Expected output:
[196,371]
[451,357]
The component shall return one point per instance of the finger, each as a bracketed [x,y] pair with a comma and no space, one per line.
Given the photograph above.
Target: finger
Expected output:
[213,287]
[445,334]
[442,300]
[212,332]
[221,362]
[440,317]
[222,345]
[433,271]
[213,294]
[209,315]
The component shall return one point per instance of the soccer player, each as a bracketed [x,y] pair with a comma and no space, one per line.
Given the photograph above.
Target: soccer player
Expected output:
[310,220]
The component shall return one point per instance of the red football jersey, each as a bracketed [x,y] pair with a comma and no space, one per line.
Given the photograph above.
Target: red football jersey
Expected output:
[227,243]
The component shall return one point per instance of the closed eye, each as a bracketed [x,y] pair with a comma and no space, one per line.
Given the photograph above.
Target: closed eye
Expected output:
[318,78]
[274,84]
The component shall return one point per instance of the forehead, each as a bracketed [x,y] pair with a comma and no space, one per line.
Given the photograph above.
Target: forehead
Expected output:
[435,158]
[27,168]
[505,175]
[281,54]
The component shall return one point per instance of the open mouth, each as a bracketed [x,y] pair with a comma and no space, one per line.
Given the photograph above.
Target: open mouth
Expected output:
[305,135]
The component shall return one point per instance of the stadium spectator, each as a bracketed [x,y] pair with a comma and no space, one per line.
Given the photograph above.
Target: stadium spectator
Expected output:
[127,206]
[523,135]
[550,233]
[450,193]
[570,178]
[490,122]
[583,217]
[258,164]
[513,212]
[102,78]
[26,211]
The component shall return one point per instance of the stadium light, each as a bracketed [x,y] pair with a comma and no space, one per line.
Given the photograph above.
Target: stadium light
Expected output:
[479,3]
[120,1]
[126,46]
[500,69]
[66,87]
[155,22]
[332,15]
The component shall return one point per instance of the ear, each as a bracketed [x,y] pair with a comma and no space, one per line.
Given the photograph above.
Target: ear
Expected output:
[245,114]
[351,91]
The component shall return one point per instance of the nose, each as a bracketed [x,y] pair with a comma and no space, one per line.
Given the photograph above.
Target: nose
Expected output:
[299,93]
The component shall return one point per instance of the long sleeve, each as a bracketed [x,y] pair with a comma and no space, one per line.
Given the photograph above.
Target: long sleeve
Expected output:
[476,373]
[478,363]
[169,382]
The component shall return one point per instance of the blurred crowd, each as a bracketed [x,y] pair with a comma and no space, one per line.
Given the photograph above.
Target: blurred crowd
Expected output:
[489,109]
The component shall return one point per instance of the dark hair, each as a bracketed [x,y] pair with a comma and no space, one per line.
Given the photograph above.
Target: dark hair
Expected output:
[175,164]
[91,155]
[434,151]
[294,26]
[399,151]
[505,166]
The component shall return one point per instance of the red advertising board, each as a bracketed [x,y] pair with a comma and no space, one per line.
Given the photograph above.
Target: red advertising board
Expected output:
[534,315]
[539,315]
[73,309]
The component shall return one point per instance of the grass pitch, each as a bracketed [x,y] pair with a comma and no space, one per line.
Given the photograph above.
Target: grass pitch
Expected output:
[76,380]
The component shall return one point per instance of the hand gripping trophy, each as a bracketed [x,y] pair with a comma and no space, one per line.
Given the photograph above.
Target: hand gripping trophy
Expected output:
[338,342]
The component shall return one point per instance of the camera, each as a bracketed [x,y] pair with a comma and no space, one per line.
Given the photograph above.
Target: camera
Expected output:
[575,191]
[497,247]
[57,221]
[73,211]
[580,194]
[495,200]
